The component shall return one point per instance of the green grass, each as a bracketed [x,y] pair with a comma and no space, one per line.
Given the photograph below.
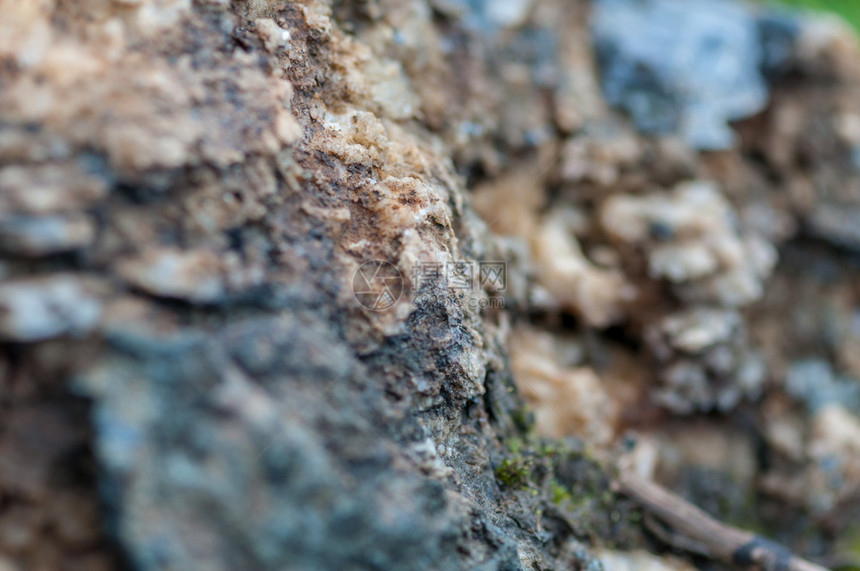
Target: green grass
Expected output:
[848,9]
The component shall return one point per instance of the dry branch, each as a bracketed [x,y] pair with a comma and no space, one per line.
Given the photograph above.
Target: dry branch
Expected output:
[719,541]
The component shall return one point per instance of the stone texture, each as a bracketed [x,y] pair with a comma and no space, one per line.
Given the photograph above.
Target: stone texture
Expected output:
[188,190]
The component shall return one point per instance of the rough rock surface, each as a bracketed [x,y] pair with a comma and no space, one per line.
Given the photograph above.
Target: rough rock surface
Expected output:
[191,190]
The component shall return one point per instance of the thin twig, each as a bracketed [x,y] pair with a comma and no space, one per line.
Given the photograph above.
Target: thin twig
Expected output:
[721,542]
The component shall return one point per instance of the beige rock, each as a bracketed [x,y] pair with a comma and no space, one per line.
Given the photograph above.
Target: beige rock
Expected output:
[640,561]
[834,448]
[8,565]
[694,330]
[599,154]
[195,276]
[567,400]
[510,202]
[827,476]
[828,42]
[689,237]
[596,295]
[47,189]
[276,38]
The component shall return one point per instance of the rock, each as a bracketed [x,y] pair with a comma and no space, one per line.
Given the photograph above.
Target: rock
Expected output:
[484,14]
[35,189]
[815,384]
[640,561]
[274,37]
[691,236]
[697,330]
[568,400]
[599,154]
[693,82]
[193,276]
[40,308]
[76,520]
[188,190]
[31,236]
[835,450]
[829,478]
[597,295]
[837,223]
[707,361]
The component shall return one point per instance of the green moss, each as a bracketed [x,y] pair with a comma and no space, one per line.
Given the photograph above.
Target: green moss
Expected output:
[515,445]
[558,493]
[607,498]
[523,419]
[848,548]
[551,450]
[847,9]
[513,473]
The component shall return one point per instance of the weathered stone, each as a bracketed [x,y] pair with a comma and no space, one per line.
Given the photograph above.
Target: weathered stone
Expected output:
[40,308]
[189,192]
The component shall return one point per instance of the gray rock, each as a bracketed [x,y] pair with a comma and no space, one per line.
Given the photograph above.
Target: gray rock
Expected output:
[41,308]
[687,66]
[40,236]
[183,434]
[814,383]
